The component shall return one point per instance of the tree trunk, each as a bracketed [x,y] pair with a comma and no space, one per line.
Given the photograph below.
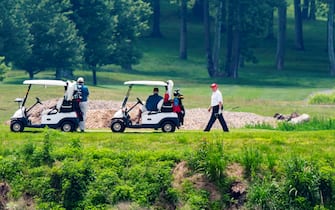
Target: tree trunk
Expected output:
[312,10]
[156,28]
[210,66]
[305,10]
[217,38]
[59,73]
[331,53]
[270,32]
[235,54]
[183,30]
[198,8]
[299,41]
[229,45]
[94,75]
[281,40]
[31,74]
[233,39]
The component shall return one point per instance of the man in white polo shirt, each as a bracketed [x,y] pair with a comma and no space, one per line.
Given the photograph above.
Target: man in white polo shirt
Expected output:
[216,107]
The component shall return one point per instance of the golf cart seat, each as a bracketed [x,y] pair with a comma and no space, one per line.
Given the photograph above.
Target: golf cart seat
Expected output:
[55,109]
[167,107]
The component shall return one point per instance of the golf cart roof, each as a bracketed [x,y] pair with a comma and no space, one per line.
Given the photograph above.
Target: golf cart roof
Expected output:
[45,82]
[146,82]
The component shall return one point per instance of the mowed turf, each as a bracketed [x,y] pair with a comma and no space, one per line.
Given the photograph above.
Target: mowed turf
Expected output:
[317,145]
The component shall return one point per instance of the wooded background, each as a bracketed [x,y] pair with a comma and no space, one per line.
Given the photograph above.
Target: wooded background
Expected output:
[64,35]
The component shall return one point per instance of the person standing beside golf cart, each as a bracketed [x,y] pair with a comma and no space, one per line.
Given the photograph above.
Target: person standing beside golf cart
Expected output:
[216,107]
[84,93]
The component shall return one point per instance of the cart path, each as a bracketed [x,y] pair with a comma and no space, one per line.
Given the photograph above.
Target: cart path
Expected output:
[100,113]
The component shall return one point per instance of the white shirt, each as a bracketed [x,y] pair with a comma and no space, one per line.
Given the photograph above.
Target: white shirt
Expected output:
[216,98]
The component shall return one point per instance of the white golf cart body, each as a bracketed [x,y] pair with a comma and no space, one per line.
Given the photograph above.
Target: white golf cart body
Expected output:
[61,116]
[163,118]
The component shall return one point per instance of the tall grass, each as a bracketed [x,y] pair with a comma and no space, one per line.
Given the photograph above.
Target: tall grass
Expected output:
[312,125]
[316,123]
[322,99]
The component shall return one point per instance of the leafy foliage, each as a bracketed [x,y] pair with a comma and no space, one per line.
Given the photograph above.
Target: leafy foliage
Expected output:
[15,38]
[56,44]
[97,171]
[251,159]
[3,68]
[322,99]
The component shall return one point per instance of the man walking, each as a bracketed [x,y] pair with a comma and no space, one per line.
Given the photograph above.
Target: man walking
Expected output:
[84,93]
[216,107]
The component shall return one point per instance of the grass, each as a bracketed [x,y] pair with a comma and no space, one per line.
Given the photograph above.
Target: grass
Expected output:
[304,143]
[260,89]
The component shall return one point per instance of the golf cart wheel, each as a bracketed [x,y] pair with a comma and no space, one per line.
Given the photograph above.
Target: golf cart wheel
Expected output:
[16,126]
[118,126]
[168,127]
[67,126]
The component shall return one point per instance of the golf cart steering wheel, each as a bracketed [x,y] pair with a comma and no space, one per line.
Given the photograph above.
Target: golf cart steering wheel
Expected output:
[139,101]
[38,100]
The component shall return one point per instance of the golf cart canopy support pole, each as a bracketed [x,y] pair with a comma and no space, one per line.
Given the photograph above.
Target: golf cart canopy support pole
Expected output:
[25,98]
[126,97]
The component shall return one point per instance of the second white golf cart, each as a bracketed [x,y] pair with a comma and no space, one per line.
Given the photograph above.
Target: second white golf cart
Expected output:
[63,116]
[164,118]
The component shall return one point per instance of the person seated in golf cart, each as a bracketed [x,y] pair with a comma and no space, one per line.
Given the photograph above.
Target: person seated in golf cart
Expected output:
[151,104]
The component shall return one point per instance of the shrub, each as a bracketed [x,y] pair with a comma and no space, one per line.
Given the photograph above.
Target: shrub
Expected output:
[3,68]
[40,155]
[194,198]
[323,98]
[264,194]
[75,178]
[251,159]
[100,191]
[149,179]
[10,168]
[313,124]
[302,183]
[122,193]
[210,160]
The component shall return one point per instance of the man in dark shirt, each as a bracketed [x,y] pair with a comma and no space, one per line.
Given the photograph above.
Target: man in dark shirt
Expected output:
[153,100]
[84,93]
[150,104]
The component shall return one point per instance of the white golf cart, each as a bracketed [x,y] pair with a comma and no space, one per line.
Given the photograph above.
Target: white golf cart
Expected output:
[164,118]
[64,115]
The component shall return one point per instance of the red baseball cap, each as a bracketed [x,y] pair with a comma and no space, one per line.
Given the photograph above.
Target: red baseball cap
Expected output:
[214,85]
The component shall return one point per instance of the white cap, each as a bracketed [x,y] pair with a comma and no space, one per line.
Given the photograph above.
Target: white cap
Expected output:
[80,80]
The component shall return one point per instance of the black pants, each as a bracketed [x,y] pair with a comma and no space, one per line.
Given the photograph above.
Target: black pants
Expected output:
[214,116]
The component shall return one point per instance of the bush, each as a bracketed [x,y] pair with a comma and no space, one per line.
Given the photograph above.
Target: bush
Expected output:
[193,198]
[3,68]
[302,183]
[10,168]
[313,124]
[264,194]
[322,99]
[251,159]
[210,160]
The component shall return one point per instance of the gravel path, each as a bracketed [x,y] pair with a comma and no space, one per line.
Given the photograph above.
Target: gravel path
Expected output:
[100,113]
